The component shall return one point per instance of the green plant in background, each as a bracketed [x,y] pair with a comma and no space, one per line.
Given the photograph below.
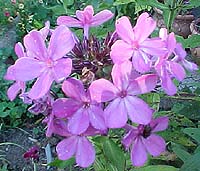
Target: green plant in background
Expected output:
[183,133]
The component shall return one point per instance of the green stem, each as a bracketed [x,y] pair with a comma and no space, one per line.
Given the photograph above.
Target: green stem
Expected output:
[171,15]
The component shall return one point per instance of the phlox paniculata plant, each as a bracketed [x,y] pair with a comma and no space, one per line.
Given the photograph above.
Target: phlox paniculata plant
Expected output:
[89,108]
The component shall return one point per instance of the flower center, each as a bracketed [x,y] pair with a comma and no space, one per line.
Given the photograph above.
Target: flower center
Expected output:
[86,105]
[123,93]
[135,45]
[49,63]
[145,130]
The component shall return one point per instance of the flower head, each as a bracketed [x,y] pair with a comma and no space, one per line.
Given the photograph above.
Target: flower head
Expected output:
[168,68]
[86,19]
[144,140]
[135,43]
[81,109]
[123,96]
[45,64]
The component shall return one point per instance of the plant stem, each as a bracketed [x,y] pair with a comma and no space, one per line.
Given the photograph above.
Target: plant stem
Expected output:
[171,15]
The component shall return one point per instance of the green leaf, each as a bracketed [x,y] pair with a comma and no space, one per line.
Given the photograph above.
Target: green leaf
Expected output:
[68,2]
[190,42]
[156,168]
[193,132]
[121,2]
[181,153]
[153,3]
[192,164]
[114,154]
[62,164]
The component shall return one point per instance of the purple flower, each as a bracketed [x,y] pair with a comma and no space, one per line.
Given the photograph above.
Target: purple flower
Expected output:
[45,64]
[86,19]
[144,140]
[123,95]
[180,55]
[135,43]
[80,108]
[79,146]
[73,144]
[18,85]
[167,68]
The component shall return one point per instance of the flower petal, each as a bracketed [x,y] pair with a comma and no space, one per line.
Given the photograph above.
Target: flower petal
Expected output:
[138,111]
[154,46]
[154,144]
[138,153]
[125,30]
[189,65]
[62,69]
[96,116]
[129,137]
[144,21]
[10,73]
[142,84]
[167,84]
[19,50]
[177,70]
[159,124]
[121,75]
[41,86]
[45,30]
[115,114]
[64,108]
[73,88]
[61,42]
[85,154]
[35,45]
[101,17]
[14,90]
[79,122]
[67,148]
[141,61]
[69,21]
[121,51]
[27,69]
[102,90]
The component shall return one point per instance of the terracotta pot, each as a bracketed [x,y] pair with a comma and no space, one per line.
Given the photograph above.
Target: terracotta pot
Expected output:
[180,26]
[195,29]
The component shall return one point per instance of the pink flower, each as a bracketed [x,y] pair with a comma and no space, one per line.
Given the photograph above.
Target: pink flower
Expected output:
[143,140]
[74,144]
[167,68]
[7,14]
[80,108]
[123,96]
[79,146]
[18,85]
[86,19]
[45,64]
[135,43]
[180,55]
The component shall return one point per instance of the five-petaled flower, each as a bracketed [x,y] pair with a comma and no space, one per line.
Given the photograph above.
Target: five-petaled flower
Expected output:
[143,140]
[45,64]
[136,44]
[81,109]
[123,95]
[86,19]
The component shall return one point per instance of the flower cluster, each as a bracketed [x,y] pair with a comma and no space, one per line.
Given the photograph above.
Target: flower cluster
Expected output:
[138,64]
